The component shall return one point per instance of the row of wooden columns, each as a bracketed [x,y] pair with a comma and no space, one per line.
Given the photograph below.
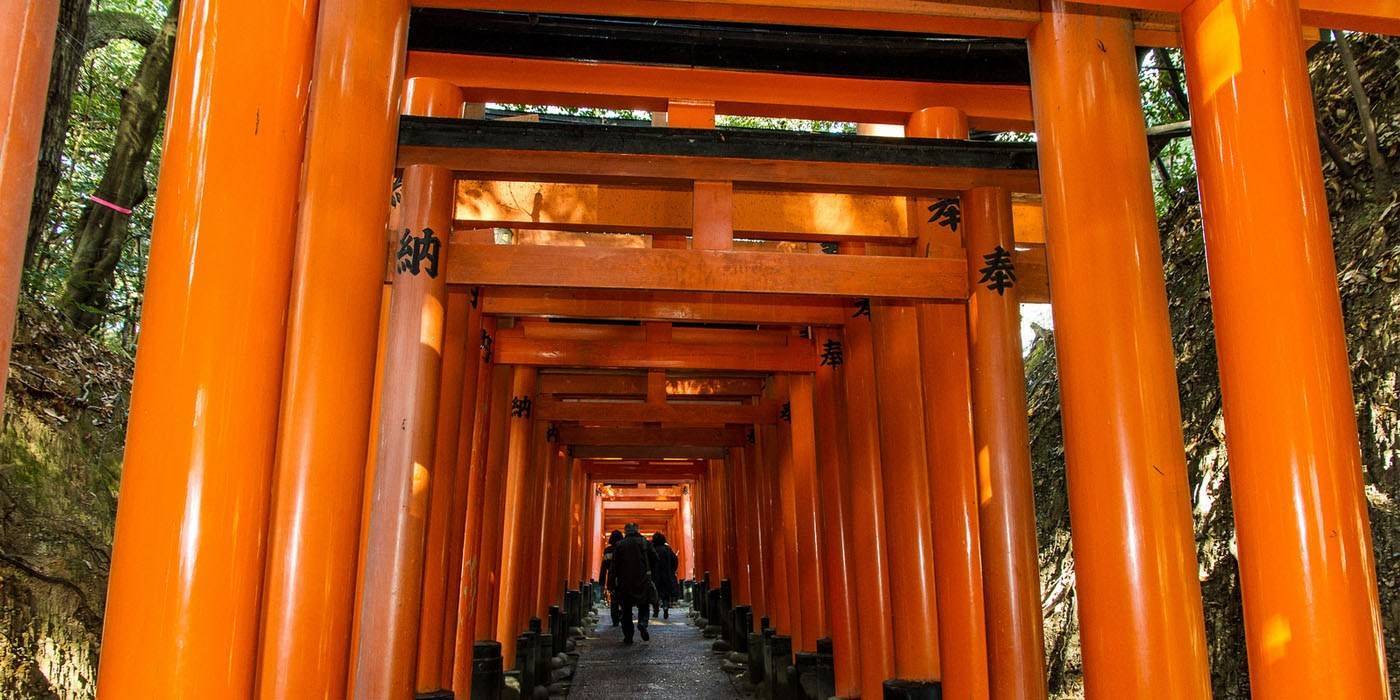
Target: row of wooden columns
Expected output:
[244,486]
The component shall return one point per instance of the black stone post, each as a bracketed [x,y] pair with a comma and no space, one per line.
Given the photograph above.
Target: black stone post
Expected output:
[779,668]
[896,689]
[488,677]
[544,646]
[741,627]
[816,677]
[557,629]
[525,662]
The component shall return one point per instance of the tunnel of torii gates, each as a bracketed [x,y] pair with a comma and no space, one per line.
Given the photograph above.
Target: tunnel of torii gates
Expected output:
[797,354]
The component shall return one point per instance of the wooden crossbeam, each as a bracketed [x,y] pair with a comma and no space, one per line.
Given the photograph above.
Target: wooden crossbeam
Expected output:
[652,436]
[799,356]
[707,271]
[545,330]
[500,79]
[623,305]
[652,451]
[1032,276]
[634,386]
[770,160]
[658,505]
[671,414]
[1155,21]
[779,216]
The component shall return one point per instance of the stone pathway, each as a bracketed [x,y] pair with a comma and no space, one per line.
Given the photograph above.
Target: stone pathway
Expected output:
[676,663]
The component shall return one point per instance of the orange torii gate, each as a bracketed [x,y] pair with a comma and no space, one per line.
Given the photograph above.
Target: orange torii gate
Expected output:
[331,490]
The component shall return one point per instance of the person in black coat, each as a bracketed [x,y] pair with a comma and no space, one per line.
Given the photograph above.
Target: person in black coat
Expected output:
[666,564]
[633,562]
[613,539]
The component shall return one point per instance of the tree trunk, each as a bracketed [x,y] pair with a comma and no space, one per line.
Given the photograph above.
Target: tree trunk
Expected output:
[68,54]
[1382,187]
[101,232]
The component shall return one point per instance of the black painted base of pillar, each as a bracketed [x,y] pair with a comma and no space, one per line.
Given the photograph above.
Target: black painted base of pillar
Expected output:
[896,689]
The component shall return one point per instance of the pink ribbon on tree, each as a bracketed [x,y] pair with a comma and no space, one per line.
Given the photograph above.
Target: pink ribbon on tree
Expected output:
[114,207]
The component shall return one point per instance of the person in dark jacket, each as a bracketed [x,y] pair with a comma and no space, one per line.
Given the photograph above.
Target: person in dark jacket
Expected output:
[666,564]
[633,562]
[608,584]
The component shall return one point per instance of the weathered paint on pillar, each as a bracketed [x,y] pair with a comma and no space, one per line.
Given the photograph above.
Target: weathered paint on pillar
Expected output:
[187,567]
[1311,616]
[332,335]
[834,510]
[957,553]
[26,56]
[906,484]
[1142,629]
[867,504]
[1006,504]
[521,441]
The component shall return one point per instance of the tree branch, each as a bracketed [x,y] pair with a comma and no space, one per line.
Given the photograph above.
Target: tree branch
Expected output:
[108,26]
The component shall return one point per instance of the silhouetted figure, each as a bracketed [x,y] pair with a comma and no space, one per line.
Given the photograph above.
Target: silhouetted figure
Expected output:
[608,584]
[633,561]
[665,573]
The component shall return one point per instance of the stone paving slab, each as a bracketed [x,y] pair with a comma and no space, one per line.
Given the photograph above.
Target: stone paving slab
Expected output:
[676,663]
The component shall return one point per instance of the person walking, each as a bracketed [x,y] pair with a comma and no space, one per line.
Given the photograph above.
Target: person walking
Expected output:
[608,581]
[633,562]
[666,564]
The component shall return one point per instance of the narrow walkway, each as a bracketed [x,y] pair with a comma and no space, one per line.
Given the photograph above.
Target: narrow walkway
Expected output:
[676,663]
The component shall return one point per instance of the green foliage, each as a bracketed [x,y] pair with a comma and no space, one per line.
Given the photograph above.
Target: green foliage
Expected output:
[1174,171]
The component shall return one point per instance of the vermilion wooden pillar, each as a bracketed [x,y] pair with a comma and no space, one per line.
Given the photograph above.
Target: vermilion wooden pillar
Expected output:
[834,511]
[754,525]
[26,54]
[577,532]
[943,337]
[812,580]
[867,504]
[333,323]
[536,491]
[494,509]
[785,495]
[493,394]
[443,487]
[393,569]
[1002,443]
[470,431]
[1307,572]
[596,530]
[517,529]
[552,541]
[906,485]
[1141,630]
[187,565]
[779,594]
[738,485]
